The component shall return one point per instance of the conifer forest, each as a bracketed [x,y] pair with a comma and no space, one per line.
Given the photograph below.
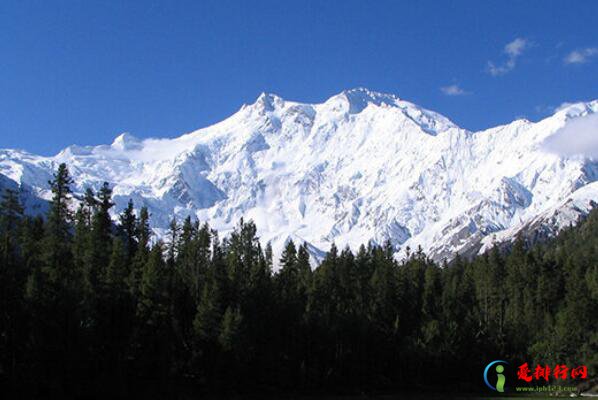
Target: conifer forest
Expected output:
[92,307]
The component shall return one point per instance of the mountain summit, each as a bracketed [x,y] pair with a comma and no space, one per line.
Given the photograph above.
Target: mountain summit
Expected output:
[360,166]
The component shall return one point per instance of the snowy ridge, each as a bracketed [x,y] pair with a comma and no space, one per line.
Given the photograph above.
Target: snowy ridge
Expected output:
[361,166]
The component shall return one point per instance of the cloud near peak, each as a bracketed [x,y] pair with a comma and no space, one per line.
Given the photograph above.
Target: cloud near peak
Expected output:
[579,137]
[453,90]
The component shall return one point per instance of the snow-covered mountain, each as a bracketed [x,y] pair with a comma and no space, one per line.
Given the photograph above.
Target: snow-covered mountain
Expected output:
[360,166]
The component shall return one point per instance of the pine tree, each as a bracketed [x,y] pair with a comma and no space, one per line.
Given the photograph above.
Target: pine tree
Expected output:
[82,238]
[89,205]
[127,230]
[100,242]
[57,287]
[213,299]
[184,297]
[304,268]
[203,253]
[59,226]
[118,270]
[431,329]
[153,339]
[118,321]
[11,215]
[242,256]
[384,289]
[207,320]
[288,279]
[143,235]
[12,286]
[173,243]
[11,211]
[230,332]
[152,307]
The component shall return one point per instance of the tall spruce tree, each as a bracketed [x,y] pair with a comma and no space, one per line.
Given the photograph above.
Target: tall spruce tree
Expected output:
[12,286]
[100,242]
[127,230]
[59,294]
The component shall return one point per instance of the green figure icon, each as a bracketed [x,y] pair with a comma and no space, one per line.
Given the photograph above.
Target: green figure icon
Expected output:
[500,383]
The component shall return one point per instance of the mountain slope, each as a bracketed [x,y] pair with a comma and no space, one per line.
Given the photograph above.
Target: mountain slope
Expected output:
[360,166]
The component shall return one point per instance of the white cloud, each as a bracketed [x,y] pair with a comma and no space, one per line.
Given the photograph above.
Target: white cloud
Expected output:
[551,109]
[516,47]
[497,70]
[513,50]
[581,56]
[579,137]
[453,90]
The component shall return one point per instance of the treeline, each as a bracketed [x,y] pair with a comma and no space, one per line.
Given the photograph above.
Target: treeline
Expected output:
[92,308]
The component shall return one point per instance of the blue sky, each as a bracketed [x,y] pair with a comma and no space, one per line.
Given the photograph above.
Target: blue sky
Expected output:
[84,71]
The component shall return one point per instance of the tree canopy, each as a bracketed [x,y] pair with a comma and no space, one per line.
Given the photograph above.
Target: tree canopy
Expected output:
[91,304]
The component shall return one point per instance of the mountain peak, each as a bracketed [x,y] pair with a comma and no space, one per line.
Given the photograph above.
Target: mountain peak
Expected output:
[359,98]
[126,141]
[362,93]
[268,101]
[354,101]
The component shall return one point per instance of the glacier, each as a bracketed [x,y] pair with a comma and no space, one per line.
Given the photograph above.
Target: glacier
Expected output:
[362,166]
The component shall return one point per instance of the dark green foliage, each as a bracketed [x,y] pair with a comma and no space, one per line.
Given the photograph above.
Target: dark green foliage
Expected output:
[127,230]
[92,308]
[13,275]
